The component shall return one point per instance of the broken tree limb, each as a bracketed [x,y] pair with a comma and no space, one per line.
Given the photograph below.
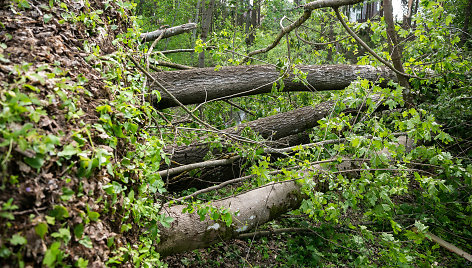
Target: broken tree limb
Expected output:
[170,64]
[446,245]
[272,232]
[201,85]
[251,209]
[151,36]
[211,163]
[278,151]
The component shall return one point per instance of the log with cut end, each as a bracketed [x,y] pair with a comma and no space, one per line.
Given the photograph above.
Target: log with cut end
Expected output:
[204,84]
[151,36]
[252,209]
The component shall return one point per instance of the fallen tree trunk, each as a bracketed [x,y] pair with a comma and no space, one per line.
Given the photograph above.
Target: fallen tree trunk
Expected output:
[204,84]
[151,36]
[251,209]
[273,127]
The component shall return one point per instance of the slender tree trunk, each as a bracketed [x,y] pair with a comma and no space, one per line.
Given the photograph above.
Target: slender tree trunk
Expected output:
[207,6]
[194,32]
[396,50]
[467,23]
[173,22]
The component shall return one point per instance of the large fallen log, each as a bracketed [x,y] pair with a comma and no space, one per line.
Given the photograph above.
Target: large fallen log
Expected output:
[204,84]
[252,208]
[151,36]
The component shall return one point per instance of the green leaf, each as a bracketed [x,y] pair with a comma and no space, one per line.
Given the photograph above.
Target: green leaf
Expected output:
[41,229]
[79,230]
[59,212]
[63,233]
[355,142]
[50,220]
[47,18]
[226,217]
[93,216]
[7,215]
[81,263]
[69,150]
[86,242]
[51,254]
[35,162]
[17,239]
[67,194]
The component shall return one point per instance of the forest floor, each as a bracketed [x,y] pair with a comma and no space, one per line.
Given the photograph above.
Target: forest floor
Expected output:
[57,92]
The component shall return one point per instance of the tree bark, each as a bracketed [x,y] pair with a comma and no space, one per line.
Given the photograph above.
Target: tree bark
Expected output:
[151,36]
[273,127]
[251,209]
[396,50]
[205,84]
[206,22]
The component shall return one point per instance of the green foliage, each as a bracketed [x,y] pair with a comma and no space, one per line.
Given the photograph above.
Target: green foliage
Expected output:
[364,213]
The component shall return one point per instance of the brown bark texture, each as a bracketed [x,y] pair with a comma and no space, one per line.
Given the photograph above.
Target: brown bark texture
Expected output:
[205,84]
[151,36]
[206,23]
[395,47]
[274,127]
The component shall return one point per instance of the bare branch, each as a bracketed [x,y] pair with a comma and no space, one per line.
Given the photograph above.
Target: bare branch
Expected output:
[170,64]
[151,36]
[305,16]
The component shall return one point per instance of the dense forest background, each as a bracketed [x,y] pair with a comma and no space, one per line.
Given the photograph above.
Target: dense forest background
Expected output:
[235,133]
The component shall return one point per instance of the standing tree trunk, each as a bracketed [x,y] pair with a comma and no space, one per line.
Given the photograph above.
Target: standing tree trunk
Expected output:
[194,32]
[467,23]
[396,50]
[207,15]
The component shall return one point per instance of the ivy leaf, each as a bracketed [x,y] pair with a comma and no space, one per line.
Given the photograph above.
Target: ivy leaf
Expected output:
[86,242]
[226,217]
[47,18]
[41,229]
[35,162]
[60,212]
[79,230]
[51,254]
[69,150]
[17,239]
